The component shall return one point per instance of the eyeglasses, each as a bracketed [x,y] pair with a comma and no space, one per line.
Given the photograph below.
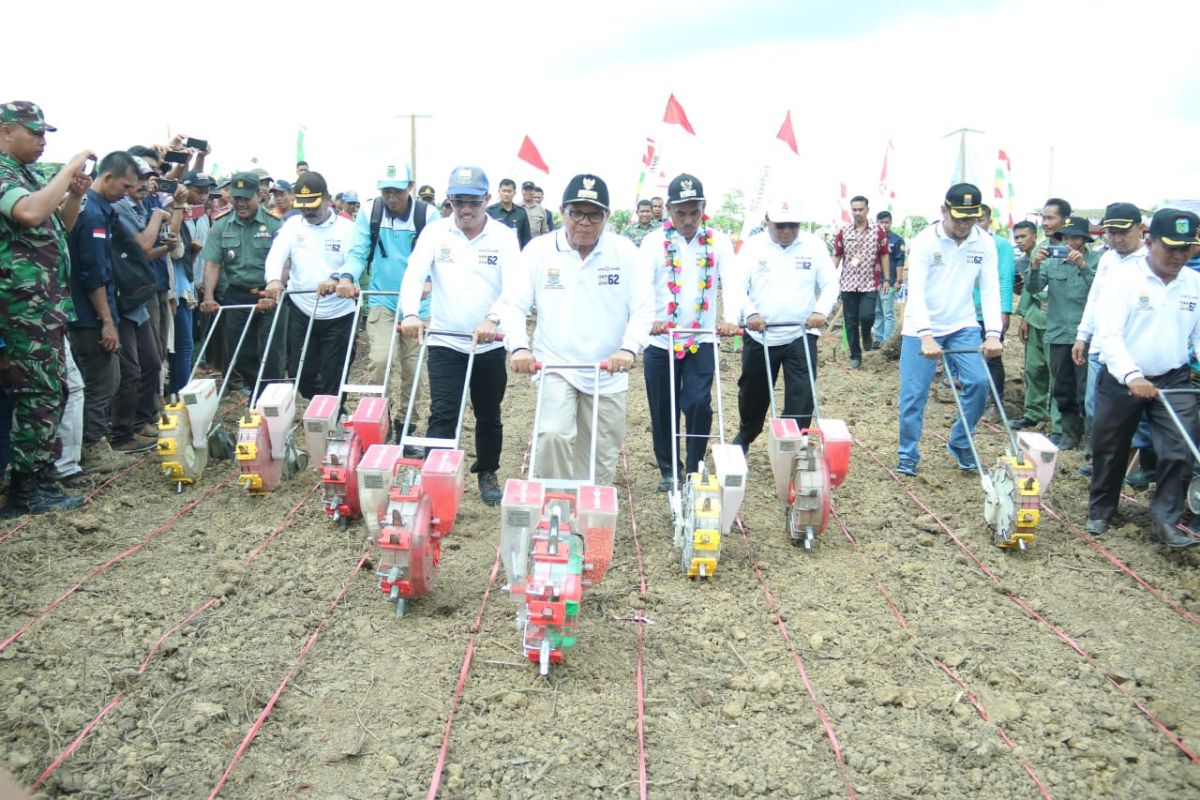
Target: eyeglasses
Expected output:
[594,217]
[787,226]
[463,202]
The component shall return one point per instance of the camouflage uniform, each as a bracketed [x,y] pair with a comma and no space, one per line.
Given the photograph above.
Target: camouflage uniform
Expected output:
[35,305]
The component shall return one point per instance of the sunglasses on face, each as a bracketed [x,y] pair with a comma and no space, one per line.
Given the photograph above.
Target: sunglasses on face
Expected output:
[465,202]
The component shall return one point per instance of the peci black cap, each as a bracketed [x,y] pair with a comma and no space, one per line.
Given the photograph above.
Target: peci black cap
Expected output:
[684,189]
[587,189]
[1175,228]
[196,178]
[310,190]
[1121,216]
[964,201]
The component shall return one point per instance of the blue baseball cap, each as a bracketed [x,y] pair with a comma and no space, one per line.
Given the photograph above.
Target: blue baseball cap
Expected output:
[281,186]
[349,197]
[468,180]
[395,176]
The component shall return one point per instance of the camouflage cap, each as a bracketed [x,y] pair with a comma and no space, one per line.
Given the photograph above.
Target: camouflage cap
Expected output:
[26,113]
[245,184]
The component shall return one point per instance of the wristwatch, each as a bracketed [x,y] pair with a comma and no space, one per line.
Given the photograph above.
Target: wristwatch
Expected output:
[493,318]
[337,276]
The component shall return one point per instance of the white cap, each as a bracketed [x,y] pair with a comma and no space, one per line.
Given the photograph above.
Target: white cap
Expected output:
[784,210]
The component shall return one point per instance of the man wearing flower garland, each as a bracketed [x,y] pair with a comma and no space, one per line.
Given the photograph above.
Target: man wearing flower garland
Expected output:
[594,303]
[684,260]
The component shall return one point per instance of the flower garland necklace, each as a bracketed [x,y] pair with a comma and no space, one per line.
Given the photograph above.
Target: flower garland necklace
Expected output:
[674,265]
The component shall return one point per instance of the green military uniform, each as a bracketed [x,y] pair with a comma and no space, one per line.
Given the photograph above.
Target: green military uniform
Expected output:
[35,306]
[636,232]
[1065,287]
[1037,352]
[239,247]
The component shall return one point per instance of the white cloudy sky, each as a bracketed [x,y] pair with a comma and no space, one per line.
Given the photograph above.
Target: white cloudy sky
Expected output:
[1111,86]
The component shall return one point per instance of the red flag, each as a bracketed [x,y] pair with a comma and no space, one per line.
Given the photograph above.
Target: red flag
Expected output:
[677,116]
[648,159]
[786,134]
[530,155]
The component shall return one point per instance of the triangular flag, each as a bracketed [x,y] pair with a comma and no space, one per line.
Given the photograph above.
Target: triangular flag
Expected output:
[786,134]
[675,115]
[530,155]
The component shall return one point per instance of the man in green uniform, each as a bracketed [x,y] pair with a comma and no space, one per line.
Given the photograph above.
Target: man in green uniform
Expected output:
[1032,311]
[1066,279]
[35,302]
[234,256]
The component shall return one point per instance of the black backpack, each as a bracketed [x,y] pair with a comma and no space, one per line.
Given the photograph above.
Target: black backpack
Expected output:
[420,212]
[132,272]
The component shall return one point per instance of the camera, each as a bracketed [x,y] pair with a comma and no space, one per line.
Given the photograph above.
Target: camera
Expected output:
[1057,251]
[169,185]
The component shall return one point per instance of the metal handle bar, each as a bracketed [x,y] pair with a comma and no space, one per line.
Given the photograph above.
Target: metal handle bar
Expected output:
[538,366]
[673,332]
[596,369]
[1175,417]
[458,334]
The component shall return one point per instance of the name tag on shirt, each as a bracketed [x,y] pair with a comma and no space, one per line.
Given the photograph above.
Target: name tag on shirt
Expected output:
[333,245]
[1187,303]
[608,276]
[803,263]
[489,258]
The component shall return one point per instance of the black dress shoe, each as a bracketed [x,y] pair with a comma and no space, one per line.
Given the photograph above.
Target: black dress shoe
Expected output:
[1172,537]
[1021,423]
[1140,479]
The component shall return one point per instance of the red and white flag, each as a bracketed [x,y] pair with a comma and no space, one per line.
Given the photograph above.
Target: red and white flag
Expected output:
[845,207]
[530,155]
[886,194]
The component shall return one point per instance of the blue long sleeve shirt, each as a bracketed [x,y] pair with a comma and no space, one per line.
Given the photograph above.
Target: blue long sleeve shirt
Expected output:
[396,238]
[1006,263]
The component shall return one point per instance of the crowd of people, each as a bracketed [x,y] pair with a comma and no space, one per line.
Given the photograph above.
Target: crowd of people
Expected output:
[105,263]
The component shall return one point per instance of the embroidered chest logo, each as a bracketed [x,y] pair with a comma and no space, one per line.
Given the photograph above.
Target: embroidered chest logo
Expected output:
[553,278]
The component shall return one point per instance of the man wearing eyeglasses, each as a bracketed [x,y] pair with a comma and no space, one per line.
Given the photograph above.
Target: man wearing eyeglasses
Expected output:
[786,275]
[464,256]
[595,303]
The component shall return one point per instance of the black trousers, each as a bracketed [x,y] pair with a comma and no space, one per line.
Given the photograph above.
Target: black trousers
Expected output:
[693,396]
[754,395]
[326,351]
[858,311]
[137,399]
[489,379]
[255,344]
[1117,416]
[995,366]
[1069,387]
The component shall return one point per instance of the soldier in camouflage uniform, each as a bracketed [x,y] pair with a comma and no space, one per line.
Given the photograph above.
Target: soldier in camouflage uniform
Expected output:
[35,302]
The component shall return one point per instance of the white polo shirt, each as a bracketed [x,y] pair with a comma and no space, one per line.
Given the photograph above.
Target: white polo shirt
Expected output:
[782,284]
[588,308]
[690,253]
[316,252]
[1110,260]
[465,273]
[1144,326]
[941,283]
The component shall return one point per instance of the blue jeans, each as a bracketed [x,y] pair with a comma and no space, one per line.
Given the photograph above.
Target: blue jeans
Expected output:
[916,376]
[180,363]
[885,314]
[1141,439]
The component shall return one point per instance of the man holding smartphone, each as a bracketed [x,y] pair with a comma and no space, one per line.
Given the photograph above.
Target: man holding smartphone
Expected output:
[1065,273]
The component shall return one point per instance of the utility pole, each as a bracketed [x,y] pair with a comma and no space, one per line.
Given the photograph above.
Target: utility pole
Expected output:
[962,150]
[1050,178]
[412,118]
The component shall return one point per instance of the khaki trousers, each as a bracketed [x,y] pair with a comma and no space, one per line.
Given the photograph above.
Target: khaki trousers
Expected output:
[380,322]
[565,441]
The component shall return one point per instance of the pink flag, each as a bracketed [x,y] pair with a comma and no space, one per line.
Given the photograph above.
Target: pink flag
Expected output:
[786,134]
[530,155]
[675,115]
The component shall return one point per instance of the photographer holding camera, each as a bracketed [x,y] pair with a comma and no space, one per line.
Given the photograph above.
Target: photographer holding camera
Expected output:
[1065,273]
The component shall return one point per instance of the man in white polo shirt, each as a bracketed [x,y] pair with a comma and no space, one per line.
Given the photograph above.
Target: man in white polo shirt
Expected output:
[1123,228]
[316,242]
[1148,316]
[685,260]
[463,255]
[781,275]
[944,262]
[594,303]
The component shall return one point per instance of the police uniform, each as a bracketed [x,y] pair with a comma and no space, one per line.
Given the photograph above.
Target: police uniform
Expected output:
[35,306]
[239,249]
[1145,328]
